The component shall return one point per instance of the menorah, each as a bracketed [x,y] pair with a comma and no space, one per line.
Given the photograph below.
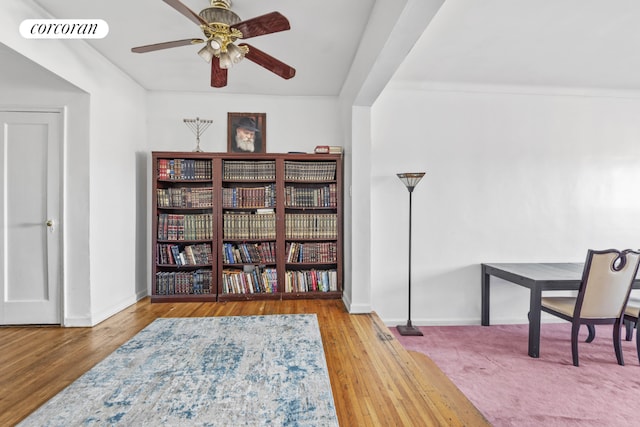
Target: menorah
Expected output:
[198,127]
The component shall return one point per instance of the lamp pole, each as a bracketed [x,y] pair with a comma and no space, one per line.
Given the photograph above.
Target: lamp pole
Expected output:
[410,180]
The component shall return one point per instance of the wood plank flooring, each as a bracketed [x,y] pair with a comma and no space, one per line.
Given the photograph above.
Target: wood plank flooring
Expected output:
[375,381]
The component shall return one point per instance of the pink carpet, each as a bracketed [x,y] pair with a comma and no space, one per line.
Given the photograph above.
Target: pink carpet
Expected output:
[491,367]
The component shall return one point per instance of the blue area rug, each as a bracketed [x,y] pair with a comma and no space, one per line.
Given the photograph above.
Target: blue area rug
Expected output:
[213,371]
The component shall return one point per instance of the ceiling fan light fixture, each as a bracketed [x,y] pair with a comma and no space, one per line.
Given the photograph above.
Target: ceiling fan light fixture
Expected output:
[216,43]
[225,60]
[235,53]
[207,52]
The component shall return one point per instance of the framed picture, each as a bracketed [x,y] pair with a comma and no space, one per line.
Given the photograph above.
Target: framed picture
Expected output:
[247,133]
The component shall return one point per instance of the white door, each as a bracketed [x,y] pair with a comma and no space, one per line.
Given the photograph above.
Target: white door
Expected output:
[30,229]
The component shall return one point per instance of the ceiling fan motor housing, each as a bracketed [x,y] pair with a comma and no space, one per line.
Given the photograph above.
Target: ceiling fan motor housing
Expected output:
[219,12]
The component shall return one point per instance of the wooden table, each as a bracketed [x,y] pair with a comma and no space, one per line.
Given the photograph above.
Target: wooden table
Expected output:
[537,277]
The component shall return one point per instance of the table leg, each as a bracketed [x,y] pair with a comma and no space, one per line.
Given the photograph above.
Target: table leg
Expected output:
[534,322]
[484,305]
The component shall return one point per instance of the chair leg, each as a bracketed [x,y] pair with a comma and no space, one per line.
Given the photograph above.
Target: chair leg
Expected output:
[592,333]
[617,342]
[638,340]
[575,328]
[629,325]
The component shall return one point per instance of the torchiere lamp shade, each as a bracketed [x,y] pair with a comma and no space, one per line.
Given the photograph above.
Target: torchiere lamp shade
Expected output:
[411,179]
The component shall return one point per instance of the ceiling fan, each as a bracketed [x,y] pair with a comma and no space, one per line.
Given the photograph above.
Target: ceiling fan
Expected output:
[222,28]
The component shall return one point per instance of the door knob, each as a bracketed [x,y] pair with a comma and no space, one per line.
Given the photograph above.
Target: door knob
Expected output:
[50,224]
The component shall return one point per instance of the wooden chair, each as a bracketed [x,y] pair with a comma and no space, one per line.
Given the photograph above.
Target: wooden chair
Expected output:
[606,283]
[631,316]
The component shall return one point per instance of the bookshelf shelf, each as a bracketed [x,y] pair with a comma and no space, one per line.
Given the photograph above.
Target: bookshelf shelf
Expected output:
[251,265]
[254,240]
[246,212]
[184,267]
[309,265]
[190,181]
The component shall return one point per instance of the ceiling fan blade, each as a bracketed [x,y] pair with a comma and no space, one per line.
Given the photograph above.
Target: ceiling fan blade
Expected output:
[269,62]
[265,24]
[177,5]
[218,75]
[165,45]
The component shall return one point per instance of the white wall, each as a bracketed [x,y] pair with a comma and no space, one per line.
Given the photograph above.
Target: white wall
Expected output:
[100,205]
[293,123]
[510,177]
[118,133]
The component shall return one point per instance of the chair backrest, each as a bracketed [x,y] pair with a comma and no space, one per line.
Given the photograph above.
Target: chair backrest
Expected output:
[606,283]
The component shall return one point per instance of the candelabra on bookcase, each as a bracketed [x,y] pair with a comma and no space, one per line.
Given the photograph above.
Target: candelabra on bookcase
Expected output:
[198,127]
[410,179]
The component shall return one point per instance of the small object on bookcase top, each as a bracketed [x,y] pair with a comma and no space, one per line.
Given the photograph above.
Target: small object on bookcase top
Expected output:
[328,149]
[198,127]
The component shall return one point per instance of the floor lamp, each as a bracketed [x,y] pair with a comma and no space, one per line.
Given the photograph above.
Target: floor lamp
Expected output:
[410,180]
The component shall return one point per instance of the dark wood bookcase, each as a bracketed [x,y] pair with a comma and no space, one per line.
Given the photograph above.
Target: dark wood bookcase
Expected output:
[243,227]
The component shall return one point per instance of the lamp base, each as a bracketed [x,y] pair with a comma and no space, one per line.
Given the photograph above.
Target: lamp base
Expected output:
[409,330]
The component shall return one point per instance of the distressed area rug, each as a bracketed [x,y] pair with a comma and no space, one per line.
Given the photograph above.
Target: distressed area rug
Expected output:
[213,371]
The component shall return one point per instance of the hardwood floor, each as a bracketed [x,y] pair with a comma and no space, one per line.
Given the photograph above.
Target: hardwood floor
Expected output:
[375,381]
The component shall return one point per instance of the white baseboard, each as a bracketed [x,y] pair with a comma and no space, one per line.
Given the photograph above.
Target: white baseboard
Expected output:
[355,308]
[96,318]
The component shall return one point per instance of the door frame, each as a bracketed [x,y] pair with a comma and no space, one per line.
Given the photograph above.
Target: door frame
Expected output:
[62,167]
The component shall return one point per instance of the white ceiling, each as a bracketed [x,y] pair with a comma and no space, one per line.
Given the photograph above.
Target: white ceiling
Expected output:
[550,43]
[322,41]
[583,44]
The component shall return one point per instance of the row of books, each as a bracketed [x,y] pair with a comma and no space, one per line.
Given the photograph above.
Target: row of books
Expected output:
[249,197]
[243,225]
[311,281]
[311,226]
[183,282]
[254,281]
[170,254]
[185,227]
[303,197]
[249,253]
[185,197]
[187,169]
[240,170]
[319,252]
[309,171]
